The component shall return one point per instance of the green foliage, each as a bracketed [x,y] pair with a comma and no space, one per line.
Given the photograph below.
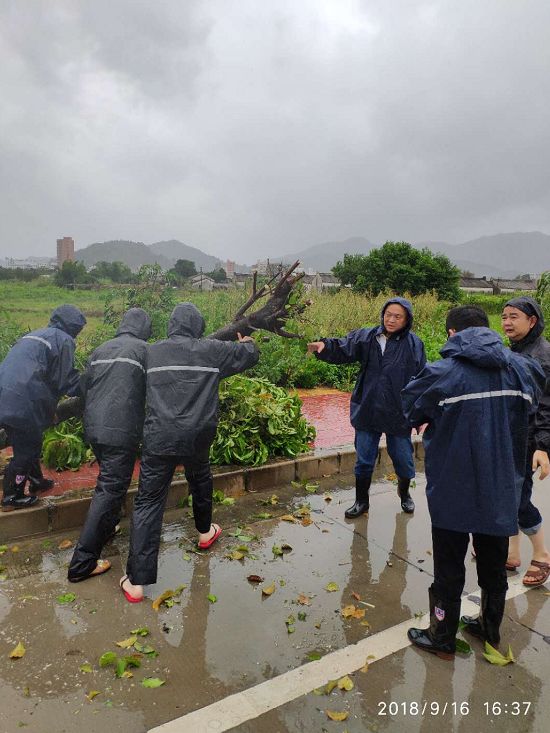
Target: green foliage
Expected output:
[218,275]
[258,421]
[153,292]
[398,267]
[116,272]
[20,273]
[9,333]
[543,296]
[72,273]
[184,269]
[63,446]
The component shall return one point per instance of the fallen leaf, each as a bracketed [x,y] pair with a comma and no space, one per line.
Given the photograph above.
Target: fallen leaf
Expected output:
[289,518]
[212,598]
[348,611]
[146,649]
[228,501]
[186,557]
[18,652]
[302,511]
[365,623]
[306,521]
[296,484]
[463,647]
[276,550]
[93,693]
[3,549]
[152,682]
[107,659]
[365,667]
[235,555]
[85,667]
[127,643]
[141,631]
[311,488]
[493,656]
[26,692]
[65,544]
[66,598]
[263,515]
[314,656]
[304,600]
[166,596]
[332,587]
[255,579]
[268,590]
[335,715]
[345,683]
[302,615]
[272,501]
[329,687]
[356,596]
[14,548]
[282,583]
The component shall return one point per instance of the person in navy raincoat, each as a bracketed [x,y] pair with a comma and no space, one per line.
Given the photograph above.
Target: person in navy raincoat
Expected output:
[523,323]
[37,371]
[478,401]
[390,355]
[181,418]
[113,386]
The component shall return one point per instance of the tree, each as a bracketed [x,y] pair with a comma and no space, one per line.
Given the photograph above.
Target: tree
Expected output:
[218,276]
[71,274]
[399,267]
[116,272]
[185,268]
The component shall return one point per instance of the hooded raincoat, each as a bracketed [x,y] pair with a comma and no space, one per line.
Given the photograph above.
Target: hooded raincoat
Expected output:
[38,370]
[538,348]
[114,385]
[477,400]
[376,400]
[183,376]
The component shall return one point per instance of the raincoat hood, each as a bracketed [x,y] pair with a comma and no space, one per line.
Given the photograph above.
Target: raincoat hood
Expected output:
[479,345]
[186,320]
[532,308]
[69,319]
[135,322]
[407,305]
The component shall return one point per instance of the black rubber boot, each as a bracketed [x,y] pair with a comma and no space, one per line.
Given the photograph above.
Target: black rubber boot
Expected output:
[14,494]
[361,506]
[407,504]
[37,482]
[487,625]
[440,638]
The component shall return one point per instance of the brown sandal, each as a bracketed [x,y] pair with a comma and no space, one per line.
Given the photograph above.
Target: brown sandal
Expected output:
[539,576]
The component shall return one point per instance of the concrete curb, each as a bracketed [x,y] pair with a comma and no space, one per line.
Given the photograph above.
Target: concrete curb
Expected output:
[59,513]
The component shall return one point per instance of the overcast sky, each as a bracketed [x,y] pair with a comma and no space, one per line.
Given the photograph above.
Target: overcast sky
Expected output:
[256,127]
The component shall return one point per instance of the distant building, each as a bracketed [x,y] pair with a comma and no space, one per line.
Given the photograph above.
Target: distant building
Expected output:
[240,279]
[513,286]
[202,282]
[320,281]
[475,285]
[65,250]
[229,269]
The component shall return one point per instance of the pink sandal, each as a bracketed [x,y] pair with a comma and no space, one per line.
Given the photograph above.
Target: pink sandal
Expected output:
[208,543]
[129,598]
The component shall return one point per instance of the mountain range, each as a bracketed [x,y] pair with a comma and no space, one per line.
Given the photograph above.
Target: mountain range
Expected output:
[499,255]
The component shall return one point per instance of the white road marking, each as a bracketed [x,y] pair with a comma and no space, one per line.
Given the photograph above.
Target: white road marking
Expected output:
[255,701]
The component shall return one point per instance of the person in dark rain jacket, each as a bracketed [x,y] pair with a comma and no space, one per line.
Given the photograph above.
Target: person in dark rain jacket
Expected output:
[390,355]
[523,323]
[183,375]
[113,386]
[37,371]
[477,402]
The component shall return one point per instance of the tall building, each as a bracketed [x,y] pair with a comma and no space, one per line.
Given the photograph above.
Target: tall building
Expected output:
[230,269]
[65,250]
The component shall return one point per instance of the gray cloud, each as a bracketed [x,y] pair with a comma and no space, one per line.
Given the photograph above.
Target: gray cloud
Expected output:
[249,128]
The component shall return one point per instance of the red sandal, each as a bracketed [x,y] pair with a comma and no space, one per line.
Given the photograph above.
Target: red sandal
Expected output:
[129,598]
[210,542]
[539,576]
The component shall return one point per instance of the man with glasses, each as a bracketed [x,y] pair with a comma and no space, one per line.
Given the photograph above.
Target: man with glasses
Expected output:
[390,355]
